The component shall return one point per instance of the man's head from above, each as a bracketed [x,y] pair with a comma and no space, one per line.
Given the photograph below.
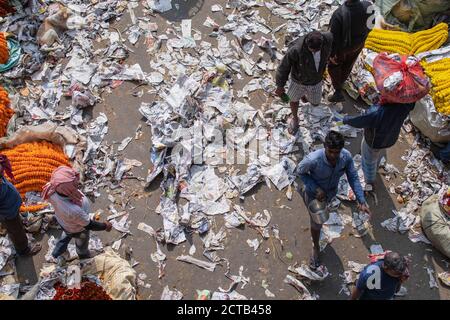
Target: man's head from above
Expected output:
[334,143]
[394,264]
[314,41]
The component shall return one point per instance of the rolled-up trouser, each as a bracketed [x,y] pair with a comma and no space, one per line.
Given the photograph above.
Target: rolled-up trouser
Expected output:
[371,159]
[16,233]
[81,242]
[307,198]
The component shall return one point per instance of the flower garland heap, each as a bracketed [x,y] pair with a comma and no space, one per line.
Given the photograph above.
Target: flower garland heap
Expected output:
[4,51]
[380,40]
[88,291]
[439,73]
[32,164]
[5,111]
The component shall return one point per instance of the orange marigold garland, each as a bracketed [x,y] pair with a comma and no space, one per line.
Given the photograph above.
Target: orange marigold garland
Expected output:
[4,51]
[5,111]
[32,165]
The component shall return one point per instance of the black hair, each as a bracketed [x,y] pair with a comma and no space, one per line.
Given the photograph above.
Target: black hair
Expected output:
[395,262]
[314,40]
[334,140]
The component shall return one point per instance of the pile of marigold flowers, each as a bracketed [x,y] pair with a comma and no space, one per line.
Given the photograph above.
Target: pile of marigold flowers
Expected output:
[88,291]
[5,111]
[32,165]
[439,73]
[405,43]
[4,51]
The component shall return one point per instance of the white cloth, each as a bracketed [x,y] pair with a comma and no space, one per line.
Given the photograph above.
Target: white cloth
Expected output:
[317,59]
[70,216]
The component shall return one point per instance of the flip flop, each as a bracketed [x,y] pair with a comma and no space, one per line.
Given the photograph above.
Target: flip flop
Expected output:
[314,263]
[32,250]
[291,128]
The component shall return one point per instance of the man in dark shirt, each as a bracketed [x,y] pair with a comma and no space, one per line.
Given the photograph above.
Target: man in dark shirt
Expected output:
[382,125]
[349,25]
[382,279]
[304,63]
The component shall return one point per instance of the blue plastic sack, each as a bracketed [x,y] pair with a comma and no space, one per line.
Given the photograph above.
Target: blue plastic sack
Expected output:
[14,55]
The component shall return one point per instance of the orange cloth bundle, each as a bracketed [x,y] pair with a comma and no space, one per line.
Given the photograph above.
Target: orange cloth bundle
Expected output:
[4,51]
[32,165]
[5,111]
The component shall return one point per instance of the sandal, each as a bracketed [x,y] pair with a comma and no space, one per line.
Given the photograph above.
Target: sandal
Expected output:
[314,263]
[292,128]
[32,250]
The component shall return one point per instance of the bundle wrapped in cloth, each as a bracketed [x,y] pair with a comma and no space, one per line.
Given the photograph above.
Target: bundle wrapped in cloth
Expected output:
[400,79]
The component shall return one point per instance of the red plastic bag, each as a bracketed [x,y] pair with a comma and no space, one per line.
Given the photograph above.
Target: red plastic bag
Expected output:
[400,79]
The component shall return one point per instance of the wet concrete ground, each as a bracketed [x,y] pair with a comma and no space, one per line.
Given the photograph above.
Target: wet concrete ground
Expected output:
[121,109]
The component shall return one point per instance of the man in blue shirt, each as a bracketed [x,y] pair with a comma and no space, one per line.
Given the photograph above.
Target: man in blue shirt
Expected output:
[382,279]
[320,172]
[382,125]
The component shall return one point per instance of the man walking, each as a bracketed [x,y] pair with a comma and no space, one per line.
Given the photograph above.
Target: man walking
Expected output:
[349,26]
[320,172]
[72,210]
[382,125]
[305,63]
[382,279]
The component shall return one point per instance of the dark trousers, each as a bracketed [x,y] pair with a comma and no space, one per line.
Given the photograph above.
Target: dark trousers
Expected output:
[81,241]
[16,232]
[345,60]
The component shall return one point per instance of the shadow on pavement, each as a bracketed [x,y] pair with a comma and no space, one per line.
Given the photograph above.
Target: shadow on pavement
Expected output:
[183,9]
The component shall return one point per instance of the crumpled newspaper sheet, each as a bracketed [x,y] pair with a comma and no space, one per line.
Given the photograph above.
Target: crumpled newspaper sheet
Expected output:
[432,278]
[173,231]
[316,275]
[210,266]
[332,229]
[6,251]
[10,289]
[158,257]
[402,222]
[168,294]
[297,284]
[233,295]
[236,280]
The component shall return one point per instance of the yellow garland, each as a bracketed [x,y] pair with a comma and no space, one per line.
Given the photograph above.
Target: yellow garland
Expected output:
[439,73]
[380,40]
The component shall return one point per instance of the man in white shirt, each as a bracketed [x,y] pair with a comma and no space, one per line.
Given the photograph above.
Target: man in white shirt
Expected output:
[71,211]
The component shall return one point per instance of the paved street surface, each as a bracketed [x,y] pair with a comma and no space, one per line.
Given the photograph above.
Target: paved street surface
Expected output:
[121,108]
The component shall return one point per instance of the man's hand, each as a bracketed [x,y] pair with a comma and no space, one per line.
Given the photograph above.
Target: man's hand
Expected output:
[280,92]
[365,208]
[108,226]
[333,60]
[320,194]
